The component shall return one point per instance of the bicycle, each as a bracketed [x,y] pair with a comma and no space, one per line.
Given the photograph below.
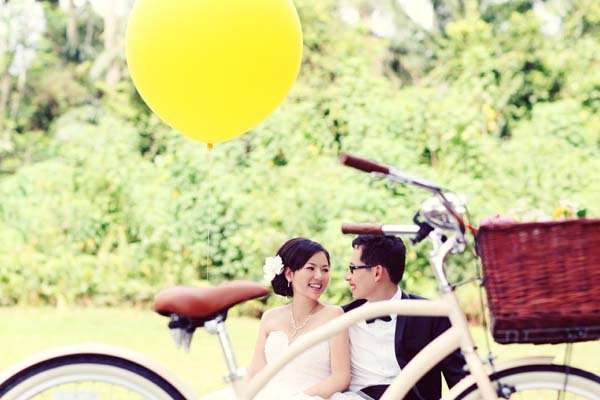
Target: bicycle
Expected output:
[440,221]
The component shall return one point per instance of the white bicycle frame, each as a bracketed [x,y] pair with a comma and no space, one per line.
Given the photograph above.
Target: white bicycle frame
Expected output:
[457,336]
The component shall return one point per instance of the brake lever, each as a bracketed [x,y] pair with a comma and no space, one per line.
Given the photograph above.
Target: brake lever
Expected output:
[424,229]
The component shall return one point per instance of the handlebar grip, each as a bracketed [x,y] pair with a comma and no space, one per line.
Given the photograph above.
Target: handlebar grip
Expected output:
[362,164]
[362,229]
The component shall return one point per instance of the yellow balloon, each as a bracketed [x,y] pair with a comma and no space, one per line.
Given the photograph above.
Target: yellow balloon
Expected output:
[213,69]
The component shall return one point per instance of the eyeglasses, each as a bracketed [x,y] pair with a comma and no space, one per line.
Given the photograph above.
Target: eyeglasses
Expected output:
[353,268]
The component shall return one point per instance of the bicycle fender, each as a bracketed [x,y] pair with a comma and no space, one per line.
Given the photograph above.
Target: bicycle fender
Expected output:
[103,349]
[468,380]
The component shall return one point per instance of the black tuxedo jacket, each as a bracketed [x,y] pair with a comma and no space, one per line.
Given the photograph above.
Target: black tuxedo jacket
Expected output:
[412,335]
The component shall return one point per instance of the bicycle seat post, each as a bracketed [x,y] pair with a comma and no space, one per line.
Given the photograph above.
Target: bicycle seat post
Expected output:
[217,327]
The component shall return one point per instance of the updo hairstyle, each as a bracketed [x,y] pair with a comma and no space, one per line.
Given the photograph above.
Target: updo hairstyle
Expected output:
[294,254]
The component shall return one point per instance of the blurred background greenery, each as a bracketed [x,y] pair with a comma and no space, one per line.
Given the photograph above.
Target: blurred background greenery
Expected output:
[102,204]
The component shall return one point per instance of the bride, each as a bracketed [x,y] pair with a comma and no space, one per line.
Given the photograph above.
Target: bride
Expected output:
[300,270]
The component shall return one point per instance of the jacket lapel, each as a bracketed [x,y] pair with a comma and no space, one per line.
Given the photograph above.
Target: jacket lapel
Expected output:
[400,326]
[353,305]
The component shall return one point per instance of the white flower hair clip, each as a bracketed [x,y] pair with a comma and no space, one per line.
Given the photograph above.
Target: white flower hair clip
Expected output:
[273,266]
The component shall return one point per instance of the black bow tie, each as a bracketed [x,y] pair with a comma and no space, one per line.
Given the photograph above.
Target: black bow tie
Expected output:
[385,318]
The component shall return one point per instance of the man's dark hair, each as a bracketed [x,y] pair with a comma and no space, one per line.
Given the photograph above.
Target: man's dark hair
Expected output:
[294,254]
[387,251]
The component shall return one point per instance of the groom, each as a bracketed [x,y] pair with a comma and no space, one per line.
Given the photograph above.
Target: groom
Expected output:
[380,348]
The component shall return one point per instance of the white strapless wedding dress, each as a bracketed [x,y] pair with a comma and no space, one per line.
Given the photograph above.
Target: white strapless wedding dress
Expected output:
[307,369]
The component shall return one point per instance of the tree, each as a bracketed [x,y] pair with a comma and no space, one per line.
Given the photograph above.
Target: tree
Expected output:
[22,24]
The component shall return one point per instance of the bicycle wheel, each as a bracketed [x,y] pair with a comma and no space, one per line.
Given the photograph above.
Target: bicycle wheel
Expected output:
[88,377]
[541,382]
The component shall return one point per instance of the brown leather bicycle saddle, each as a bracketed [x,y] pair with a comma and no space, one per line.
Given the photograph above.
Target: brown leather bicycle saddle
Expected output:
[202,304]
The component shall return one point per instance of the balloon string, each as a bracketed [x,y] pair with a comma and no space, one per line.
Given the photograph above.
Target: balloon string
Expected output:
[210,212]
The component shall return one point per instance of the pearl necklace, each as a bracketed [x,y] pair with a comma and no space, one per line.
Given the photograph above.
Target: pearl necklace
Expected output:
[295,328]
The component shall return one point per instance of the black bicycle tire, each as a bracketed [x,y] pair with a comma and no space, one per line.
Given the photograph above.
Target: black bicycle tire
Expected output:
[91,358]
[552,368]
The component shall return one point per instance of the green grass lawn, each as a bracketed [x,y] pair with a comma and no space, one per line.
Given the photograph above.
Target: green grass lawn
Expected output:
[26,331]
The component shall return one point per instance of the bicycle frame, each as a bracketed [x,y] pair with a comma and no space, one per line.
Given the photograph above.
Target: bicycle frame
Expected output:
[457,336]
[427,358]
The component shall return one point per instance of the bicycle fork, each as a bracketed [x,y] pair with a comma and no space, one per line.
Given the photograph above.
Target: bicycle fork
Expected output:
[457,317]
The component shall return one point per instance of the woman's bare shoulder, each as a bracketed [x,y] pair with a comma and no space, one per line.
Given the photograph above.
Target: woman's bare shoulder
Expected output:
[330,311]
[274,316]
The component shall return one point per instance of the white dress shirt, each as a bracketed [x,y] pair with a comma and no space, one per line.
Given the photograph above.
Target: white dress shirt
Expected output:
[373,355]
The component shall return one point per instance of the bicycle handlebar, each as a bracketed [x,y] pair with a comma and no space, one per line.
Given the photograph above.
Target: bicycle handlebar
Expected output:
[379,229]
[391,173]
[396,175]
[363,164]
[362,229]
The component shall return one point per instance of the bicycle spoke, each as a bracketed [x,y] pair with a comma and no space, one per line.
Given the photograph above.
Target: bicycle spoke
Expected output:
[544,382]
[88,391]
[89,377]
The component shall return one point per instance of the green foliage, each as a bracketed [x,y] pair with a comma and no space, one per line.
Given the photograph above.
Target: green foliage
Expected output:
[101,203]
